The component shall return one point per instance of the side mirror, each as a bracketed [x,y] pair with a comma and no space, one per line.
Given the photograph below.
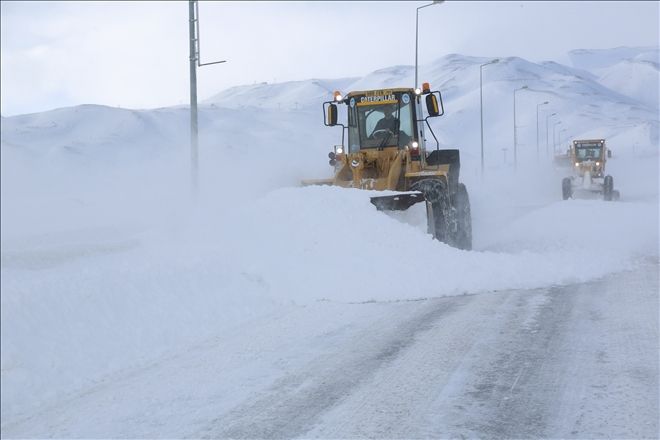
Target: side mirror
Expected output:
[432,106]
[332,115]
[609,154]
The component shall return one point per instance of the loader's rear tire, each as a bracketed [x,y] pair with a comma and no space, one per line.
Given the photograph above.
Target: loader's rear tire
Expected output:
[440,212]
[566,190]
[608,188]
[463,234]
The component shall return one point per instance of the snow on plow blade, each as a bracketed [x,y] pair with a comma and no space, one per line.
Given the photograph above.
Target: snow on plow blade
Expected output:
[397,202]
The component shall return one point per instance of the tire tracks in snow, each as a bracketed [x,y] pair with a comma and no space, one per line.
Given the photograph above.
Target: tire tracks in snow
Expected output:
[293,404]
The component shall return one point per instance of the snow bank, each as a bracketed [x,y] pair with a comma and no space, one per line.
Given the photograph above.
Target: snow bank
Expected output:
[83,309]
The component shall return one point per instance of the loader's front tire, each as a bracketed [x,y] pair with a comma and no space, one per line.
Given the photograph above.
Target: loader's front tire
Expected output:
[440,213]
[566,191]
[463,235]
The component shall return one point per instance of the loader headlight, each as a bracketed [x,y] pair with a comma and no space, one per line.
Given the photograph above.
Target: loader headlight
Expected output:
[597,164]
[340,150]
[577,164]
[418,91]
[414,145]
[355,163]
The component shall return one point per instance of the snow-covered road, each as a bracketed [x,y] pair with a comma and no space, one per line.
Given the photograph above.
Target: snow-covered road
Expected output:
[578,361]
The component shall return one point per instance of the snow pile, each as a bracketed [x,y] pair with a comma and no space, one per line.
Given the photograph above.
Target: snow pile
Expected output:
[332,235]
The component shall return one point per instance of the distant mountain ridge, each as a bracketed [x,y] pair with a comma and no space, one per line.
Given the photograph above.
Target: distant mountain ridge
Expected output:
[590,59]
[588,65]
[606,92]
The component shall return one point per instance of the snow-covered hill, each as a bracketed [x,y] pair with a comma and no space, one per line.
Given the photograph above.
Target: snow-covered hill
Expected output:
[630,71]
[107,261]
[613,99]
[290,95]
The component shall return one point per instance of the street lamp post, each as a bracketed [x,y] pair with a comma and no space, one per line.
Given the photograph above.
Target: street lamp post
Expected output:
[481,100]
[547,132]
[515,139]
[436,2]
[559,136]
[554,141]
[537,128]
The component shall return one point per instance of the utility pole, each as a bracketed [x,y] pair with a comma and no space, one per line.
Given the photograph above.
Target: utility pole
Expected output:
[193,14]
[435,2]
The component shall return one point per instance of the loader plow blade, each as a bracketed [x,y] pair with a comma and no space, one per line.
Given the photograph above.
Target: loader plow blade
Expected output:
[398,202]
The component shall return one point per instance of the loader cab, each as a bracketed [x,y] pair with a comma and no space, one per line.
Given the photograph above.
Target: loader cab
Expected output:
[385,119]
[379,119]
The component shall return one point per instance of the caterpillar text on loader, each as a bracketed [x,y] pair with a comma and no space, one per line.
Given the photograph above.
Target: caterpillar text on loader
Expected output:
[588,158]
[387,151]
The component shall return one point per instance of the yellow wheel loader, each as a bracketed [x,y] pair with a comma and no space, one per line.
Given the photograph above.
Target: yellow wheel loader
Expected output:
[588,158]
[386,150]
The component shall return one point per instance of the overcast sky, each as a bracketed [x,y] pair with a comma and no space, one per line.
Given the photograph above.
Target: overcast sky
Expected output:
[135,54]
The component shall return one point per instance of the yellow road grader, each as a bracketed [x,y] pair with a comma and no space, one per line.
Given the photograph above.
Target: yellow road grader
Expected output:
[587,159]
[386,150]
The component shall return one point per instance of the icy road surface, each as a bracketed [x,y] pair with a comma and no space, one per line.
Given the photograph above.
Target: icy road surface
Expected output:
[577,361]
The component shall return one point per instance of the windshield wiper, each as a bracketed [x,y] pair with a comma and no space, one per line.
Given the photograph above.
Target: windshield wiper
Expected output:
[398,127]
[385,139]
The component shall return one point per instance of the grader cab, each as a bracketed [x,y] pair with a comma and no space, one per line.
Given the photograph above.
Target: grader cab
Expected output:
[588,158]
[386,150]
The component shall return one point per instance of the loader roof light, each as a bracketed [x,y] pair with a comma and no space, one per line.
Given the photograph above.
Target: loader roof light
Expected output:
[426,87]
[338,96]
[577,164]
[597,164]
[418,91]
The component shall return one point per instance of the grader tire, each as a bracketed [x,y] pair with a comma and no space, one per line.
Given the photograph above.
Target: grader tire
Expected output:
[566,190]
[608,188]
